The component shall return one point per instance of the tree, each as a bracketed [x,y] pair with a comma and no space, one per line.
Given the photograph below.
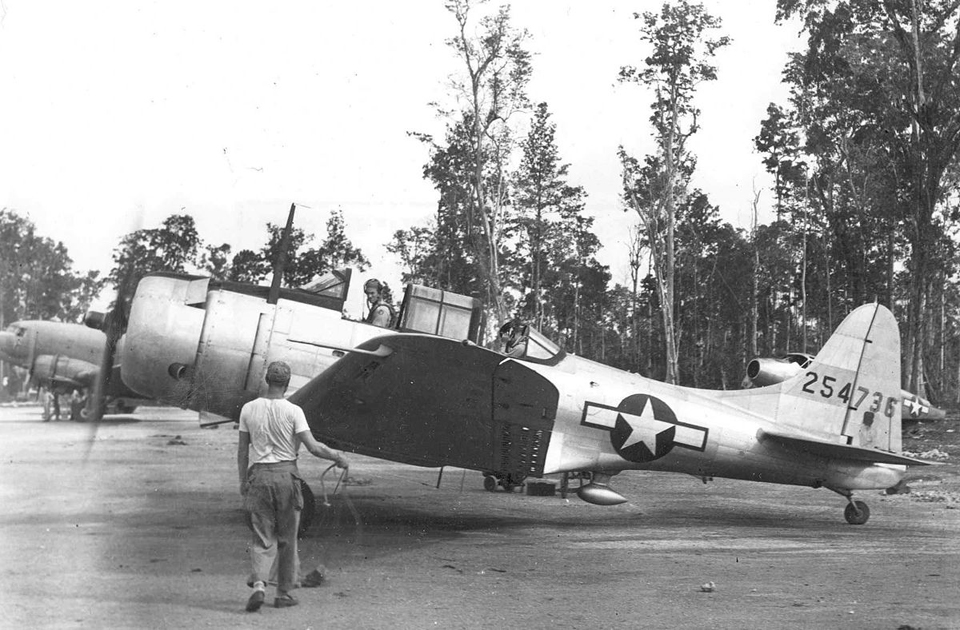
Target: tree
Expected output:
[890,71]
[497,70]
[248,266]
[37,280]
[174,246]
[414,248]
[302,263]
[337,250]
[679,62]
[215,261]
[451,263]
[546,213]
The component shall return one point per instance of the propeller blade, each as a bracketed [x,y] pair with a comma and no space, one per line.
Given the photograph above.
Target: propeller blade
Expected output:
[113,325]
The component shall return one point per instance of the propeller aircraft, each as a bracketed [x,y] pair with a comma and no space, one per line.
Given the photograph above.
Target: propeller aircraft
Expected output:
[767,371]
[64,357]
[426,393]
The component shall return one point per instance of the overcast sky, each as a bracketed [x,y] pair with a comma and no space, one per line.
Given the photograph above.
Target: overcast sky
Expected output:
[115,115]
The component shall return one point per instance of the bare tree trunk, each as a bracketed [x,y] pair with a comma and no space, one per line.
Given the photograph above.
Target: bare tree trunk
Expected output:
[803,290]
[755,285]
[669,321]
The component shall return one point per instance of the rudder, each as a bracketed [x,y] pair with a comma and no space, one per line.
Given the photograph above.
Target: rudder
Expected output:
[850,392]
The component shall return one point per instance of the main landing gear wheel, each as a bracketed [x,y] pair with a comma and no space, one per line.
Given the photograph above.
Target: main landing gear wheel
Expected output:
[507,481]
[856,512]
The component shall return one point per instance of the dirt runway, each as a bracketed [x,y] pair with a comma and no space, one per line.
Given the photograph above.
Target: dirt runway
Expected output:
[130,526]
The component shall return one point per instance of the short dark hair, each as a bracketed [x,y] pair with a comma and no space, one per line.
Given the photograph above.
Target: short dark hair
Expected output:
[373,282]
[278,373]
[510,326]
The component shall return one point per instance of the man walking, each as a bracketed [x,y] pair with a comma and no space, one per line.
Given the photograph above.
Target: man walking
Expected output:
[273,428]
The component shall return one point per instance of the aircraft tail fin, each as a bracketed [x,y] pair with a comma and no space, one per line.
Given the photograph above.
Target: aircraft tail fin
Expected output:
[850,392]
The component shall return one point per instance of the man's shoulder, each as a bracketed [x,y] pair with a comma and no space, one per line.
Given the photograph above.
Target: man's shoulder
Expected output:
[250,404]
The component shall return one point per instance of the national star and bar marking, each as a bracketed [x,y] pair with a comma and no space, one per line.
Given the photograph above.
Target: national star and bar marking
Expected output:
[916,407]
[647,435]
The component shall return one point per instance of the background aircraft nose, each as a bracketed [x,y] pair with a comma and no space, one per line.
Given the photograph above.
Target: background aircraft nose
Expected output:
[8,341]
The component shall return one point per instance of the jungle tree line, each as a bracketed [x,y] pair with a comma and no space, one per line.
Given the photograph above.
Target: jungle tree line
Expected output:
[514,235]
[37,280]
[177,247]
[863,157]
[864,168]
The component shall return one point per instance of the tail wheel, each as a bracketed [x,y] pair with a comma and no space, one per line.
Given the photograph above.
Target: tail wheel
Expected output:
[856,512]
[489,483]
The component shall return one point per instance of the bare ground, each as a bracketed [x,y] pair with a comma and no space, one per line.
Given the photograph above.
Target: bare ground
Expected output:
[130,527]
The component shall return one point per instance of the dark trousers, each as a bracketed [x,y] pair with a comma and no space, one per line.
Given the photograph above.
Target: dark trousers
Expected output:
[274,500]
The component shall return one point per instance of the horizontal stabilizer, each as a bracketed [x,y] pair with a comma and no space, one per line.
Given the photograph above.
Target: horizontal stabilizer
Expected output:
[838,451]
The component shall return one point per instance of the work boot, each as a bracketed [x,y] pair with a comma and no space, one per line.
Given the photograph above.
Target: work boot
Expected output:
[285,601]
[255,601]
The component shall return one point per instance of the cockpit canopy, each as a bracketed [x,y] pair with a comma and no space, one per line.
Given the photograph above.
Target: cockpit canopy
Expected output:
[539,348]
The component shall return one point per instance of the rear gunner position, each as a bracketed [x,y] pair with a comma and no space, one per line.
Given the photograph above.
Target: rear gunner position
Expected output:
[274,428]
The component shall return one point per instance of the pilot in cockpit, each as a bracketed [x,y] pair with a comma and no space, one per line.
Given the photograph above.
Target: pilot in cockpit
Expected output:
[513,338]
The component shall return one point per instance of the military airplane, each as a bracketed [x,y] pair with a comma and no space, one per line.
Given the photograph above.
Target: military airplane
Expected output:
[767,371]
[428,394]
[63,357]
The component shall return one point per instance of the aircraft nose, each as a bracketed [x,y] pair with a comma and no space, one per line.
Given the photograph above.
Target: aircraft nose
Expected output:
[8,341]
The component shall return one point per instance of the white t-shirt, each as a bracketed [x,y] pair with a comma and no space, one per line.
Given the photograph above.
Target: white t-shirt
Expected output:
[273,424]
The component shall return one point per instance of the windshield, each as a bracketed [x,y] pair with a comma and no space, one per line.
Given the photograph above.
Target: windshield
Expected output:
[541,349]
[331,284]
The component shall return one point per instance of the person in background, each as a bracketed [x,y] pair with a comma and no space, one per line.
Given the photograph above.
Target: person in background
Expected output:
[51,403]
[381,313]
[513,338]
[271,432]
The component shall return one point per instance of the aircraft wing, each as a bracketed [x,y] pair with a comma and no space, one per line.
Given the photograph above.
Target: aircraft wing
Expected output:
[432,401]
[838,451]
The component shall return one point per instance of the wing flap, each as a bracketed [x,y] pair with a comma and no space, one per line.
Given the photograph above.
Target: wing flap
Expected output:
[838,451]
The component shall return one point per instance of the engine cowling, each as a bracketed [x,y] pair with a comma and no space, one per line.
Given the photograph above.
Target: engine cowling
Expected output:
[164,327]
[54,368]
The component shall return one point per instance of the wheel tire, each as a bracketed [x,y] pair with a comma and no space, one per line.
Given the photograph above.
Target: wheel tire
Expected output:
[856,513]
[123,408]
[489,484]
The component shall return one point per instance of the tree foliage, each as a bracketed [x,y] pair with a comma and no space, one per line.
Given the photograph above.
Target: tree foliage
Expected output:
[492,89]
[174,246]
[37,280]
[680,59]
[875,102]
[303,263]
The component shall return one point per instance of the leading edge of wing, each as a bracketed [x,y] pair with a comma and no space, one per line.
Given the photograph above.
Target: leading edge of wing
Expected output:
[838,451]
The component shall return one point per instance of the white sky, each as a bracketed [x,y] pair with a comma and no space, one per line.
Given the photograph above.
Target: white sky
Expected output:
[115,115]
